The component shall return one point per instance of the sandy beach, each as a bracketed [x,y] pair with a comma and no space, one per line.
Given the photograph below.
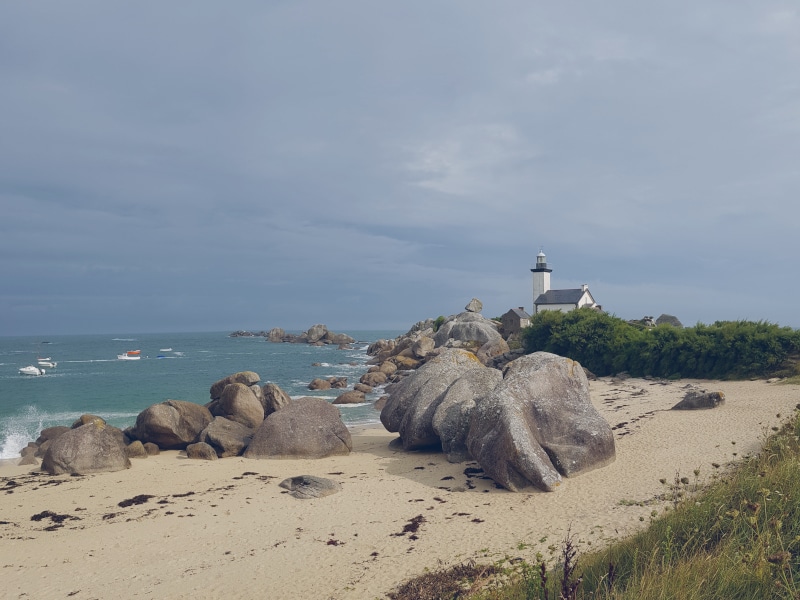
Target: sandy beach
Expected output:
[170,527]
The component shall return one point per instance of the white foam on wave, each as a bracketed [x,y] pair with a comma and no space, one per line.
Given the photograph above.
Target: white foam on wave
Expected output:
[123,339]
[16,431]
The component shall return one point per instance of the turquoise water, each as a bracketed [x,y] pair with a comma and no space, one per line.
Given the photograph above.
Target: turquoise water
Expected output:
[89,378]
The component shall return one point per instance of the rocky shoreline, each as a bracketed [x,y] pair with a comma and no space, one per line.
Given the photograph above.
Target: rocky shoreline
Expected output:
[453,385]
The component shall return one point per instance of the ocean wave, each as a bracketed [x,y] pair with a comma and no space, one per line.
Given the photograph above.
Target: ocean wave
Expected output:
[123,339]
[17,430]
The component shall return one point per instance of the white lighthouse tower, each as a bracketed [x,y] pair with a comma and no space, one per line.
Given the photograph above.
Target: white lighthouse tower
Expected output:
[541,278]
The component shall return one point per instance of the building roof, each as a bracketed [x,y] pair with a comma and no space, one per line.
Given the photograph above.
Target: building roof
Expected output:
[519,313]
[561,296]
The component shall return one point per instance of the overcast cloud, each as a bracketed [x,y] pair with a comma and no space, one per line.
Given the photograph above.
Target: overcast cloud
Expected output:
[210,166]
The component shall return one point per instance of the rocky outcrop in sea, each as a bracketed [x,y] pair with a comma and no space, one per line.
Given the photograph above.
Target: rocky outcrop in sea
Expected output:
[316,334]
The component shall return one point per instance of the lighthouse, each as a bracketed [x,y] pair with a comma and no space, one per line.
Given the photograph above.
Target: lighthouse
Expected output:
[541,278]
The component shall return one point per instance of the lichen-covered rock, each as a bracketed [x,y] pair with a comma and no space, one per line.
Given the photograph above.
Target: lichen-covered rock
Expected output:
[90,448]
[307,428]
[538,424]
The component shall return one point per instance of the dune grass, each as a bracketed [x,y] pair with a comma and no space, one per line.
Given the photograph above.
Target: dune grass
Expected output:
[739,538]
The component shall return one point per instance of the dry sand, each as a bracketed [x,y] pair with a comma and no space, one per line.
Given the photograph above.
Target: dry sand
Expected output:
[225,529]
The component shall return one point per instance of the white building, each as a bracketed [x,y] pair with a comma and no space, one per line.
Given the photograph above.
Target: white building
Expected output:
[564,300]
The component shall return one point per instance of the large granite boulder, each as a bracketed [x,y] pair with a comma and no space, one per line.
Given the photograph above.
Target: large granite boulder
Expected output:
[539,424]
[274,398]
[246,377]
[171,425]
[414,399]
[452,417]
[239,403]
[307,428]
[91,448]
[467,327]
[228,438]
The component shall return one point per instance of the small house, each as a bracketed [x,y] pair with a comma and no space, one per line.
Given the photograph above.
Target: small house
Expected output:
[514,320]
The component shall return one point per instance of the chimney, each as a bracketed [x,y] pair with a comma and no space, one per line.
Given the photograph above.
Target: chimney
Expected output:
[584,287]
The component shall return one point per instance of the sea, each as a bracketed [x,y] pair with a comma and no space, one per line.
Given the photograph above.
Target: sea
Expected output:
[90,378]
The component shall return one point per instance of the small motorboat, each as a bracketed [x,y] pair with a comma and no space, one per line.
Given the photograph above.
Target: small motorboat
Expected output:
[130,355]
[31,370]
[46,362]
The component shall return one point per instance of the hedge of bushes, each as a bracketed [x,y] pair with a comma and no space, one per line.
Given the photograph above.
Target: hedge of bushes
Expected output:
[607,345]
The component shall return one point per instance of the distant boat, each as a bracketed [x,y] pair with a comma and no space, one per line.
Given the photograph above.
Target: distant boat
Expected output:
[47,362]
[31,370]
[165,350]
[130,355]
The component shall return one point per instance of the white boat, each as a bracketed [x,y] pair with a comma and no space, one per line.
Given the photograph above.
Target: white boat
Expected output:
[165,350]
[47,362]
[130,355]
[31,370]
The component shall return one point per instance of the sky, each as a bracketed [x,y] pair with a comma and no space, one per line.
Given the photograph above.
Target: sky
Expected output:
[214,166]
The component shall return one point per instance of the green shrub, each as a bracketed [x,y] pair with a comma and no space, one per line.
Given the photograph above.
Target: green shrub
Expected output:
[606,345]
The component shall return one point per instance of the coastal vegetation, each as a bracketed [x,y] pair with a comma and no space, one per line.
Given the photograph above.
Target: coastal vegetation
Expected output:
[607,345]
[739,537]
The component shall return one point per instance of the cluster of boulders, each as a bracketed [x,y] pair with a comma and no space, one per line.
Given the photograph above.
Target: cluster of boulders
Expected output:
[242,418]
[317,335]
[451,383]
[456,385]
[527,425]
[469,330]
